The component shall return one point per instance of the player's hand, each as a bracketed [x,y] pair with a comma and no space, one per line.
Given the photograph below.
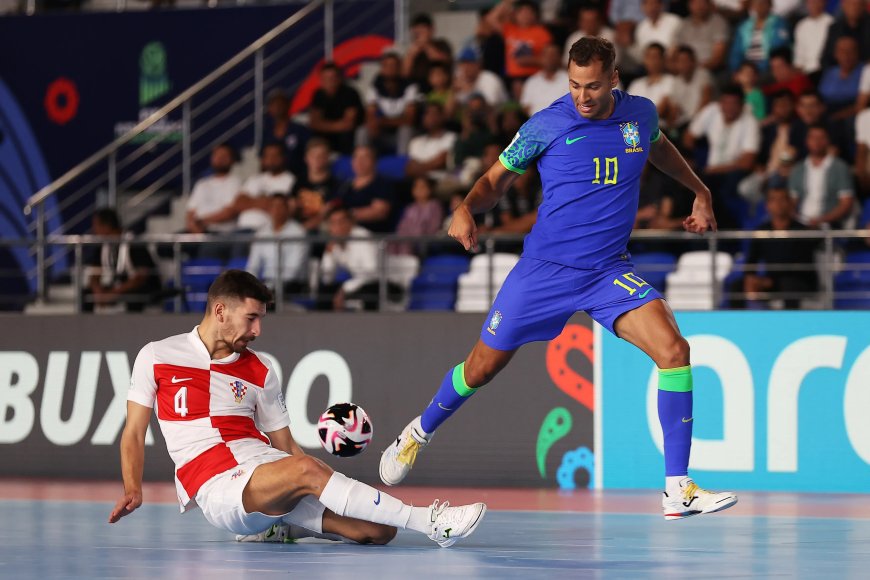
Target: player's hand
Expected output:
[126,506]
[463,229]
[701,220]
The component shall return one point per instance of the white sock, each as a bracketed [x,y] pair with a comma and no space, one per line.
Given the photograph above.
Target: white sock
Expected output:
[672,483]
[351,498]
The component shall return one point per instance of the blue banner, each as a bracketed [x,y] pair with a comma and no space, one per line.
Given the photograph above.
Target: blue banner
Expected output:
[782,402]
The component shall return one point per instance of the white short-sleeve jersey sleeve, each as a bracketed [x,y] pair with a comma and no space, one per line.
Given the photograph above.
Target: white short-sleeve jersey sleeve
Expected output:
[271,413]
[143,388]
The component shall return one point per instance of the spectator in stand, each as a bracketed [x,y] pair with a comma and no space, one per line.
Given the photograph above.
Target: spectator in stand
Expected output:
[367,196]
[472,79]
[423,217]
[441,90]
[213,194]
[429,153]
[706,32]
[336,110]
[318,185]
[657,26]
[590,22]
[853,21]
[839,83]
[779,265]
[425,50]
[359,257]
[785,75]
[809,37]
[251,204]
[488,43]
[657,85]
[263,260]
[733,137]
[476,134]
[757,36]
[281,129]
[390,109]
[862,155]
[508,123]
[663,205]
[734,11]
[524,37]
[546,85]
[747,77]
[692,88]
[822,184]
[118,273]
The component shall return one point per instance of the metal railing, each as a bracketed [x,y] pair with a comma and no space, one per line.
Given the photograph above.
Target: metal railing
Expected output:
[832,246]
[155,160]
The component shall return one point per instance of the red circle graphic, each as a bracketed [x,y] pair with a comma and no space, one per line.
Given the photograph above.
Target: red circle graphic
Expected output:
[62,101]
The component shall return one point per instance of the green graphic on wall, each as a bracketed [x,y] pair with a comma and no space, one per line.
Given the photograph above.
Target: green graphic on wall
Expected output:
[153,74]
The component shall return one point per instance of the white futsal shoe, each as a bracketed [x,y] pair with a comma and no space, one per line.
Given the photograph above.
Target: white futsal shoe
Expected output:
[691,500]
[451,524]
[277,533]
[398,459]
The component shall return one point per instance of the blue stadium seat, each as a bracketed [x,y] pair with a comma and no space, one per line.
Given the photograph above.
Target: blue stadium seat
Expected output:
[341,167]
[237,263]
[654,267]
[435,287]
[196,276]
[392,166]
[853,280]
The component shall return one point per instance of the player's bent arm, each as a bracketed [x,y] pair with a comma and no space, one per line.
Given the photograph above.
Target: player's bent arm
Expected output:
[283,440]
[665,156]
[132,459]
[491,186]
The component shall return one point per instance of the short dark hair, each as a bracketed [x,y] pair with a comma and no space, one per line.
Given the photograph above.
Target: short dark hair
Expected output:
[315,142]
[782,94]
[782,52]
[528,4]
[750,64]
[238,285]
[339,208]
[732,90]
[819,127]
[422,20]
[276,145]
[230,149]
[590,48]
[330,65]
[656,45]
[108,217]
[811,92]
[687,50]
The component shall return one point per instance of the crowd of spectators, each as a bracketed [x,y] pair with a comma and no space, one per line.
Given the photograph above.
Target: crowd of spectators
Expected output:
[759,95]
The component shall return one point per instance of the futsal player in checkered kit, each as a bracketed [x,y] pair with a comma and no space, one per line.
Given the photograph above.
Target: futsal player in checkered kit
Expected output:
[222,413]
[590,147]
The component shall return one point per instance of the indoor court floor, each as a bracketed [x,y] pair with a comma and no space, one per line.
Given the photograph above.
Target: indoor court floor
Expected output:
[59,530]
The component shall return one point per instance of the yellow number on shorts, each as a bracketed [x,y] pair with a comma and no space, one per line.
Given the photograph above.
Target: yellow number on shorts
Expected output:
[634,279]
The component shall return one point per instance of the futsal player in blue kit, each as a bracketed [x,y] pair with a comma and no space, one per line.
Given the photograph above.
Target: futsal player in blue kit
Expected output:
[590,147]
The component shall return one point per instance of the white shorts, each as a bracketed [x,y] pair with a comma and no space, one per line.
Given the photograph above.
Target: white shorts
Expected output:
[220,500]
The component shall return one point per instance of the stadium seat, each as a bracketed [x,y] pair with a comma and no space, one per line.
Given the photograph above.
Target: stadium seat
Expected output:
[341,167]
[852,285]
[474,294]
[654,267]
[237,263]
[436,286]
[690,286]
[392,166]
[196,276]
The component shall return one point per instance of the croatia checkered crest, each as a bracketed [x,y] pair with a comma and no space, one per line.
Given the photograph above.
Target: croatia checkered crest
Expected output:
[344,429]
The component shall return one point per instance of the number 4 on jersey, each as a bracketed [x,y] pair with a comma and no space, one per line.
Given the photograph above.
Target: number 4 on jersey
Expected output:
[181,402]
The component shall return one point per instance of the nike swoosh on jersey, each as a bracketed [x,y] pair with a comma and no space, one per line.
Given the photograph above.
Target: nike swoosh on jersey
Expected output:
[443,408]
[569,141]
[174,380]
[378,501]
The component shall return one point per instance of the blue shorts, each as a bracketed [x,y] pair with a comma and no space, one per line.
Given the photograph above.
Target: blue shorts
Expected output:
[538,298]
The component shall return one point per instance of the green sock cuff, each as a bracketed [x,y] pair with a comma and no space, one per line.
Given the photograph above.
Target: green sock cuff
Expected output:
[678,380]
[459,385]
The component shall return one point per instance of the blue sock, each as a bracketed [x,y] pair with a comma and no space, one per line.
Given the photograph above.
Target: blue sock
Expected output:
[675,415]
[451,394]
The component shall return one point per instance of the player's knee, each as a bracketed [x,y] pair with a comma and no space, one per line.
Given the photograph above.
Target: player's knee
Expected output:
[676,354]
[383,535]
[310,472]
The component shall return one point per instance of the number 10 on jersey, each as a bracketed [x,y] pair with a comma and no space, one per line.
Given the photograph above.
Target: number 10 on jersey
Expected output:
[610,163]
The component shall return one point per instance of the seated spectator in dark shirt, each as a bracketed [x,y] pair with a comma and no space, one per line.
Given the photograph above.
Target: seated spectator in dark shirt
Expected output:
[318,184]
[424,52]
[664,204]
[367,195]
[336,110]
[853,21]
[390,108]
[279,128]
[779,266]
[118,273]
[810,110]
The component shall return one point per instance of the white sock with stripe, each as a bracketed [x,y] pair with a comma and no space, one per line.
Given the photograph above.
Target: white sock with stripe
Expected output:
[351,498]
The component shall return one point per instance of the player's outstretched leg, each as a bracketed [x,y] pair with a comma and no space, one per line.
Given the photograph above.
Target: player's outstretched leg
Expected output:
[358,512]
[653,329]
[458,385]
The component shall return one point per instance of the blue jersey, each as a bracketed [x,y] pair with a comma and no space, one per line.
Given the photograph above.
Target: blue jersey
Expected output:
[590,171]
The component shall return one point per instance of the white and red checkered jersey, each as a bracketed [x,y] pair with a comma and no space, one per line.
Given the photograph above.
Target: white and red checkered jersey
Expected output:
[211,412]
